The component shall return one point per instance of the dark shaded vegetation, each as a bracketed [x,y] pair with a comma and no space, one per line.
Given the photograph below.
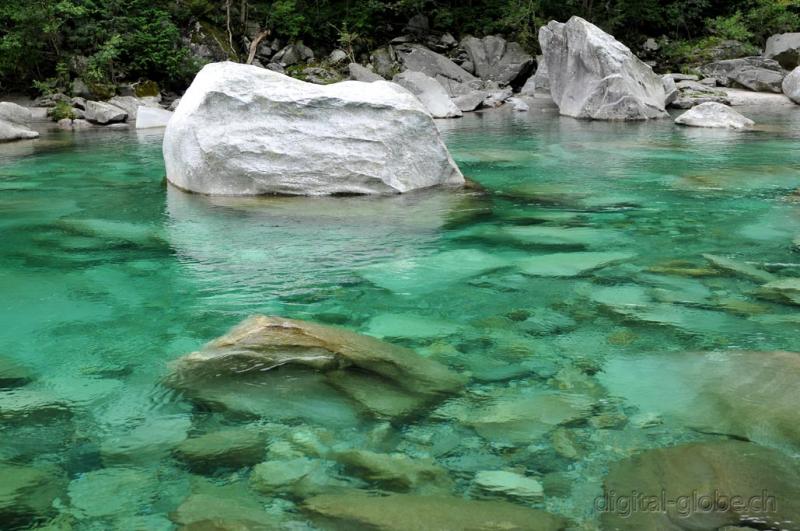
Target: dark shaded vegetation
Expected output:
[46,43]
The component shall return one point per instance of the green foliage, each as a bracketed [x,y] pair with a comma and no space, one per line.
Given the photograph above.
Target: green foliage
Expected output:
[732,27]
[62,110]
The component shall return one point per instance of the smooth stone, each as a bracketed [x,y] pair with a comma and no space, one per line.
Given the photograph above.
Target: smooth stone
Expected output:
[434,272]
[12,374]
[10,132]
[509,483]
[754,73]
[430,92]
[739,268]
[25,404]
[784,48]
[231,448]
[290,137]
[396,471]
[405,512]
[715,471]
[420,59]
[570,264]
[410,325]
[131,104]
[592,75]
[783,290]
[111,492]
[28,493]
[15,114]
[104,113]
[724,392]
[281,475]
[470,101]
[496,59]
[791,85]
[714,115]
[223,508]
[153,439]
[149,117]
[381,398]
[362,73]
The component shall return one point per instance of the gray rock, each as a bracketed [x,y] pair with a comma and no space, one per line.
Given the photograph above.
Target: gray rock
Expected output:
[80,89]
[430,93]
[104,113]
[682,77]
[541,78]
[529,88]
[791,85]
[714,115]
[754,73]
[418,25]
[592,75]
[150,117]
[131,104]
[519,105]
[15,114]
[470,102]
[650,45]
[174,104]
[496,98]
[384,62]
[276,67]
[337,56]
[784,48]
[78,102]
[420,59]
[293,54]
[448,41]
[362,73]
[494,59]
[320,76]
[290,139]
[670,89]
[10,131]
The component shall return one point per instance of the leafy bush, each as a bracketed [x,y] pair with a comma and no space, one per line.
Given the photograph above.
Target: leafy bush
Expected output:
[731,28]
[62,110]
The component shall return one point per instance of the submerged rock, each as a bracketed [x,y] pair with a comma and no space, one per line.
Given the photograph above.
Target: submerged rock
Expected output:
[406,512]
[234,447]
[570,264]
[509,483]
[592,75]
[244,130]
[12,374]
[217,508]
[430,93]
[396,471]
[728,392]
[27,493]
[714,115]
[363,367]
[765,482]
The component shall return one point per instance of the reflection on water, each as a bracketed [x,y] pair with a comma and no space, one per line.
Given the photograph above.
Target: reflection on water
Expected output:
[613,288]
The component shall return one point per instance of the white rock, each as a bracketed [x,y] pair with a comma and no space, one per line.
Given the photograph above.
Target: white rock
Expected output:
[784,48]
[529,88]
[430,92]
[147,117]
[509,483]
[714,115]
[10,131]
[337,56]
[592,75]
[15,114]
[791,85]
[104,113]
[244,130]
[471,101]
[131,104]
[519,105]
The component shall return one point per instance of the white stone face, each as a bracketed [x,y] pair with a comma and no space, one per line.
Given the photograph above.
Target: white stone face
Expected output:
[430,93]
[244,130]
[715,115]
[791,85]
[592,75]
[147,117]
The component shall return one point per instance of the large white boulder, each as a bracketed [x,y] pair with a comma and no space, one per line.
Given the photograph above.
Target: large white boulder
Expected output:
[784,48]
[592,75]
[14,122]
[102,113]
[244,130]
[712,114]
[430,93]
[791,85]
[10,131]
[495,59]
[149,117]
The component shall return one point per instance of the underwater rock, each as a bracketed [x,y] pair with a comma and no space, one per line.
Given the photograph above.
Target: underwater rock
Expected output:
[111,492]
[244,130]
[256,348]
[785,290]
[12,374]
[739,268]
[410,325]
[570,264]
[727,392]
[396,471]
[509,483]
[766,483]
[25,404]
[27,493]
[153,439]
[517,416]
[233,447]
[223,508]
[407,512]
[280,475]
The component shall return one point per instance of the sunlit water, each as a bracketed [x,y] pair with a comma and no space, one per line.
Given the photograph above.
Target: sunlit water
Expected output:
[106,275]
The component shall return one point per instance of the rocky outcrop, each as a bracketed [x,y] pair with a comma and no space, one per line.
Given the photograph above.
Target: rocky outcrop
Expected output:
[361,73]
[14,122]
[495,59]
[102,113]
[785,49]
[293,54]
[354,510]
[420,59]
[243,130]
[592,75]
[766,482]
[714,115]
[690,93]
[129,104]
[791,85]
[150,117]
[430,93]
[387,380]
[753,73]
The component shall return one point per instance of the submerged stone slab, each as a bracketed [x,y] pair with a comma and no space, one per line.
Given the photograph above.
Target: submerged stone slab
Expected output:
[403,512]
[396,471]
[233,447]
[509,483]
[570,264]
[244,130]
[765,482]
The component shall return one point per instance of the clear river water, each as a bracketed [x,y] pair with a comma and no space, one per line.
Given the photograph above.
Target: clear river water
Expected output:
[569,286]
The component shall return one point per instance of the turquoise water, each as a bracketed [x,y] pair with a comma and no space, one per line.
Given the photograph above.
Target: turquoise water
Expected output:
[584,249]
